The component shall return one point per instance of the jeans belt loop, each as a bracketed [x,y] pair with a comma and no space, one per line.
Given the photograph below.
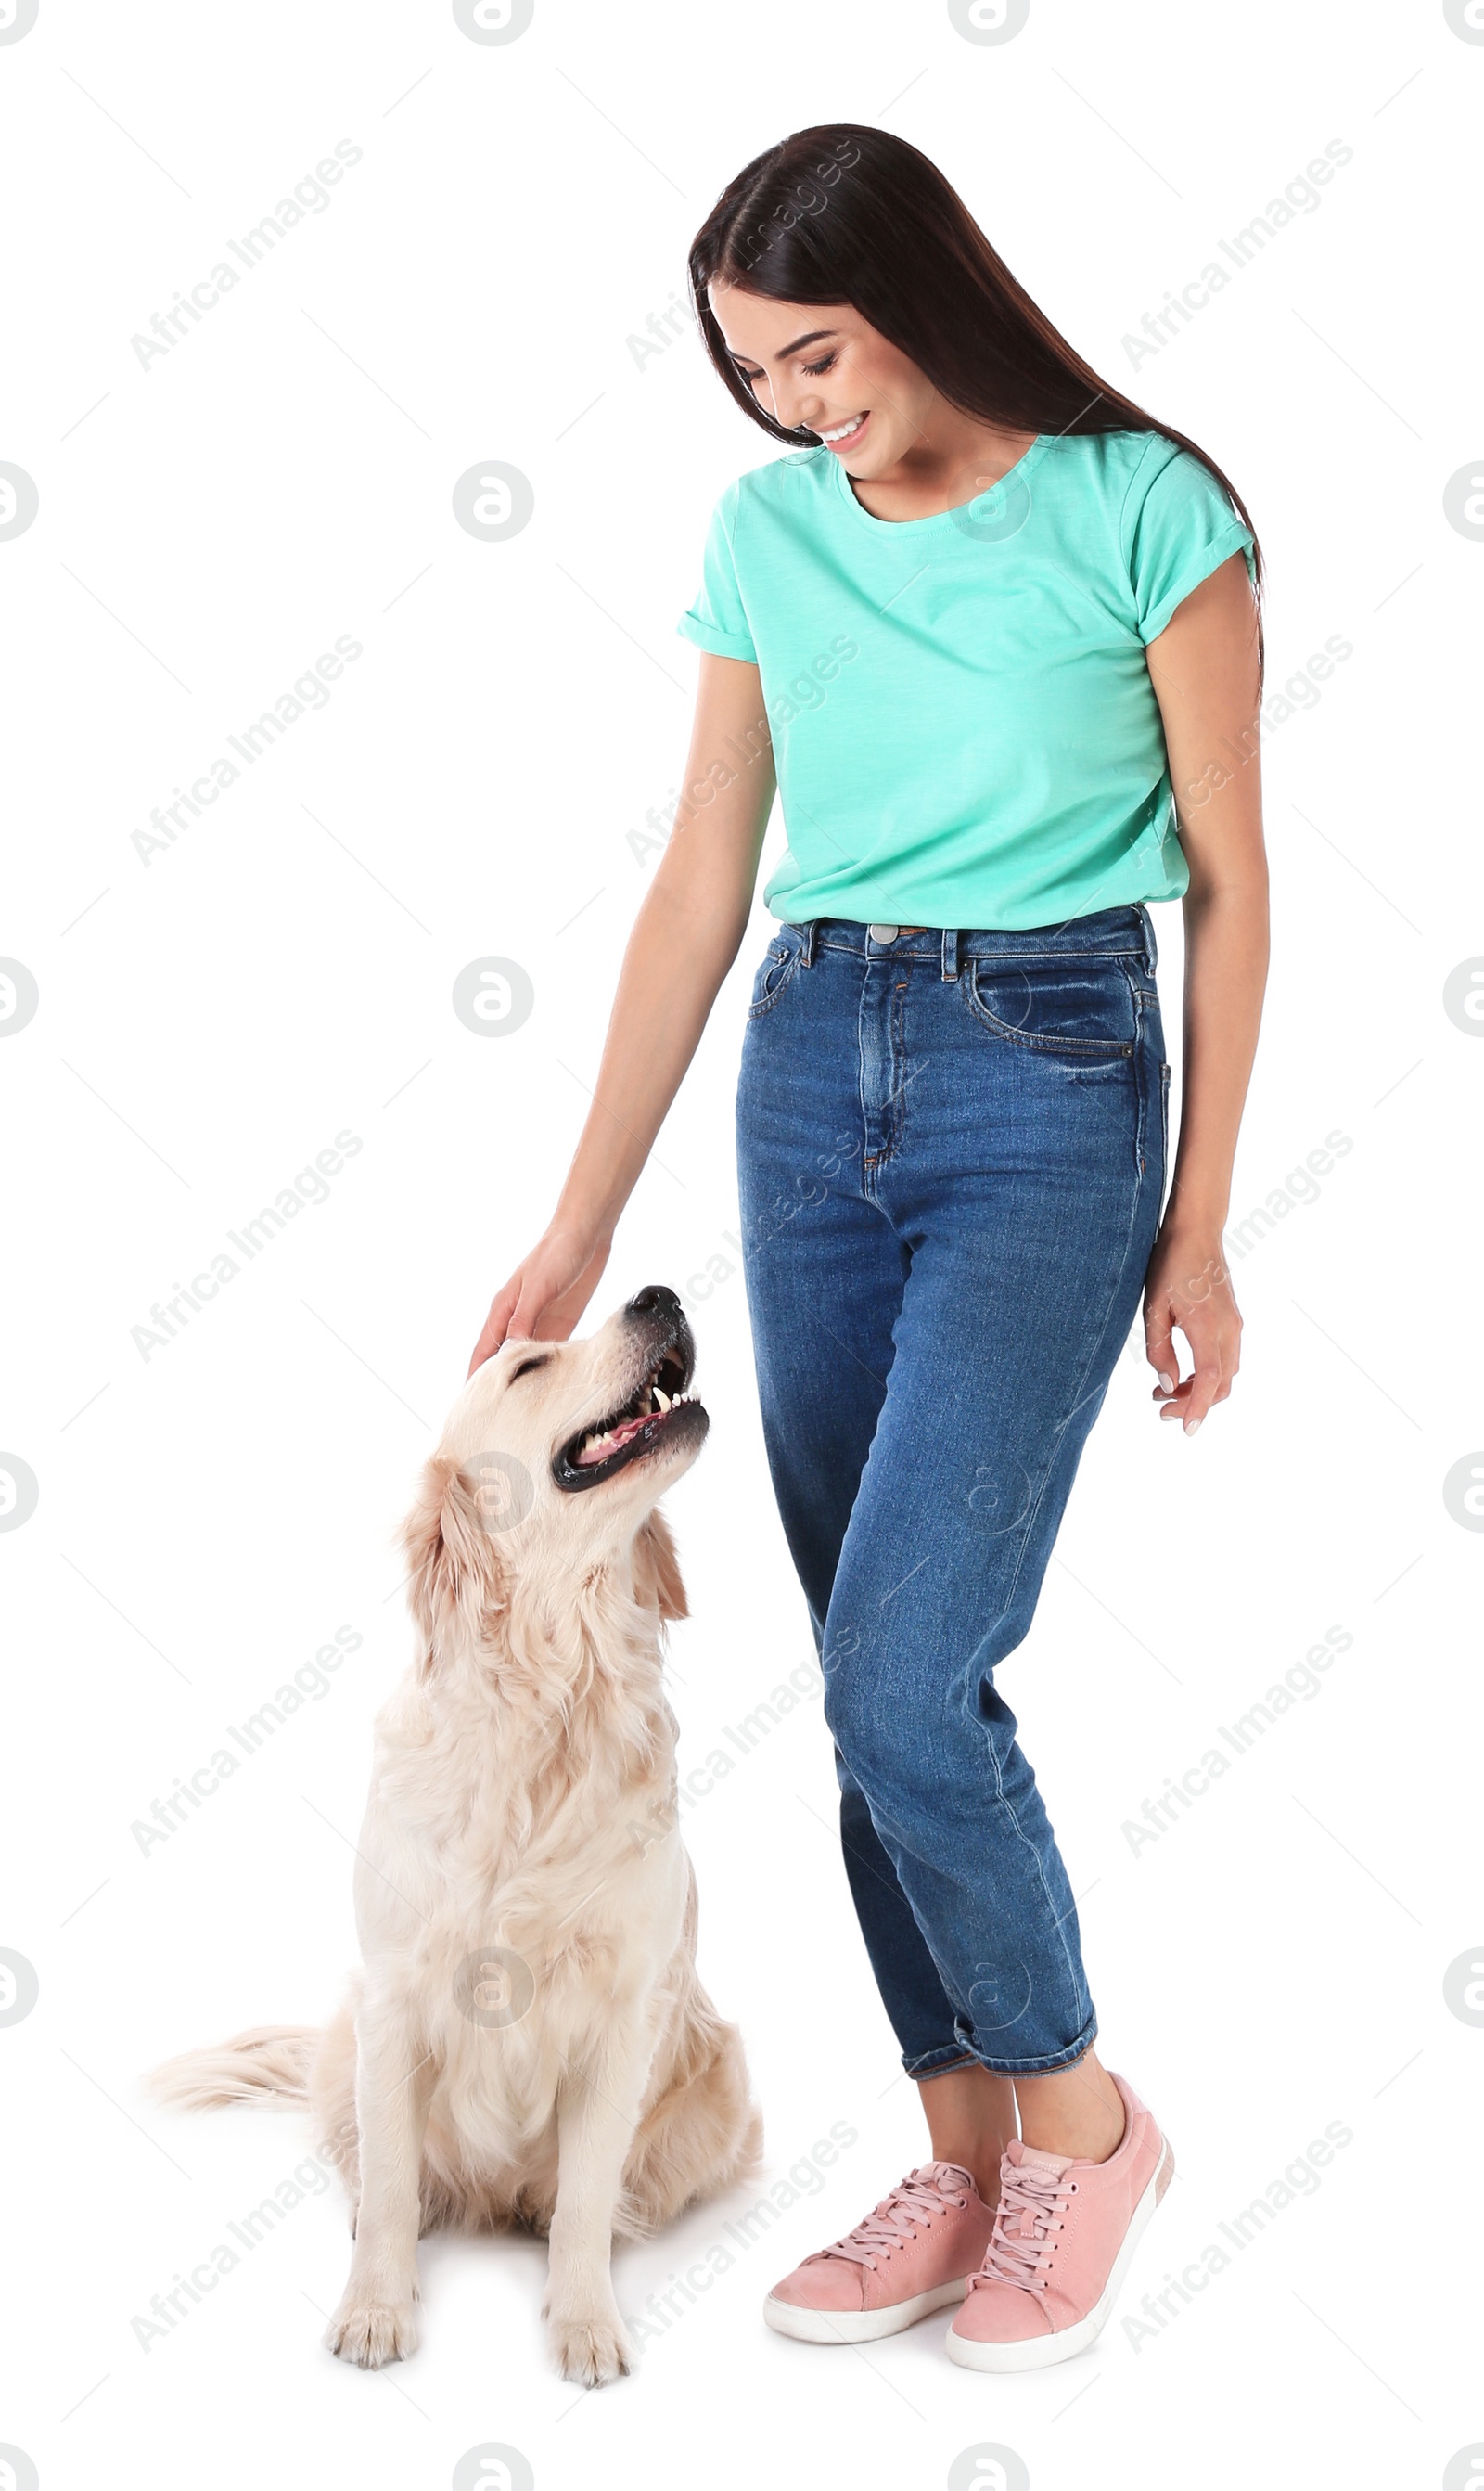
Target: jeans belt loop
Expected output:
[950,941]
[810,935]
[1152,948]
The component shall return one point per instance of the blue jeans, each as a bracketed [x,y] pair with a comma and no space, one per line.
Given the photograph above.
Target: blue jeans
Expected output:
[951,1152]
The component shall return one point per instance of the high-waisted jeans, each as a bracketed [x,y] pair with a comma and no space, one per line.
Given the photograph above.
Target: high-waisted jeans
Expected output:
[952,1158]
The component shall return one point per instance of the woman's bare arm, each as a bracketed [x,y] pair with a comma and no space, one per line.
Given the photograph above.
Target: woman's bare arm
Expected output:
[685,940]
[1205,672]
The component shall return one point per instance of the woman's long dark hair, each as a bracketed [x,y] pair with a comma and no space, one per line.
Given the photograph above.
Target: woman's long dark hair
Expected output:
[846,214]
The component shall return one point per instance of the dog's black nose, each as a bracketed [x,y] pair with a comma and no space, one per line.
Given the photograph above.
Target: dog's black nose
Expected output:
[653,1301]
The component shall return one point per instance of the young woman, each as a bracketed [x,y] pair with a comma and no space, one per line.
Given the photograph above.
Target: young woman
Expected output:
[998,636]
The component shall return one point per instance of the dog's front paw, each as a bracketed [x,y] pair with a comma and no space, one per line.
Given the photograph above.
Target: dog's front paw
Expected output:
[372,2332]
[593,2350]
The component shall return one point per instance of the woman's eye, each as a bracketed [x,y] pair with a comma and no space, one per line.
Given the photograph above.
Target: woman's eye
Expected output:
[815,369]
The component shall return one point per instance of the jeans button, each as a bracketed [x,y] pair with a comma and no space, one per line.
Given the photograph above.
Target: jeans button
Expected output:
[882,933]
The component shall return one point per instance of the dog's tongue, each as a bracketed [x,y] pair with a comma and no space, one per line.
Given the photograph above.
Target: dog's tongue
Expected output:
[617,1437]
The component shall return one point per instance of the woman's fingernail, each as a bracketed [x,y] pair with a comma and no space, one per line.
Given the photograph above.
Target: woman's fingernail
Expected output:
[1191,1424]
[1167,1383]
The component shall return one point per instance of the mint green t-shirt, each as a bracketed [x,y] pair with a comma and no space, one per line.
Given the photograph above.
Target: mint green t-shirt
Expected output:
[963,721]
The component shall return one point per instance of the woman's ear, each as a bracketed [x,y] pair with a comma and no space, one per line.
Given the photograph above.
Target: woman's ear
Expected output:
[453,1566]
[657,1583]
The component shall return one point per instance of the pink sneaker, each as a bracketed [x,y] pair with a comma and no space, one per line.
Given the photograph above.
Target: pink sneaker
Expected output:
[914,2254]
[1063,2237]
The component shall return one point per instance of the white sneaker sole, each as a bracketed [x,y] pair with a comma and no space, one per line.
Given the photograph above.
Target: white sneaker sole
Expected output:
[858,2326]
[1040,2352]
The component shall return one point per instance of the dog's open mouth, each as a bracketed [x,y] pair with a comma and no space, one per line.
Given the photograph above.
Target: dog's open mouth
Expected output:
[658,1413]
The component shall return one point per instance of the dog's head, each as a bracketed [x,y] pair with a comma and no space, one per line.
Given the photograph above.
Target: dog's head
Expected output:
[551,1462]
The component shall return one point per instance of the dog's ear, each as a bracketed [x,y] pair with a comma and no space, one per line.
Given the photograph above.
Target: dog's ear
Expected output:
[453,1563]
[657,1583]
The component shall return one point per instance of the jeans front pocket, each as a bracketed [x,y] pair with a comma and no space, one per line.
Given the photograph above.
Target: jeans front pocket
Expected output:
[1079,1008]
[779,962]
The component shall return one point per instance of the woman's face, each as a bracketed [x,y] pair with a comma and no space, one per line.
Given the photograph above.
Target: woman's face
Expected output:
[821,368]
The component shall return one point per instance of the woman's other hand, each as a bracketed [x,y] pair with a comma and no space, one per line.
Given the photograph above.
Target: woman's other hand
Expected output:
[1188,1289]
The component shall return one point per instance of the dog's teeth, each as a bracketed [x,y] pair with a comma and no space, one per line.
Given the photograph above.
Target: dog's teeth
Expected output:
[662,1400]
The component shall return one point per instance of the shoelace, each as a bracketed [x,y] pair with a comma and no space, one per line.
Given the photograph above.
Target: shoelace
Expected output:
[1033,2205]
[894,2220]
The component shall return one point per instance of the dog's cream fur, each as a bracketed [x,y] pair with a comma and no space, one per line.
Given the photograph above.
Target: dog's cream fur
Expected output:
[528,2041]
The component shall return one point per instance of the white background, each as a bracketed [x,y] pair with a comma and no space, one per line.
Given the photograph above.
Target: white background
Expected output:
[1274,1961]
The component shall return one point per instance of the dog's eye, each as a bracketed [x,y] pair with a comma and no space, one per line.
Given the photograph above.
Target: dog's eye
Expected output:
[531,1367]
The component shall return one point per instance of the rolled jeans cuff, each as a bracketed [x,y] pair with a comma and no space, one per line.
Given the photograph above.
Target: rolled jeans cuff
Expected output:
[1046,2066]
[936,2063]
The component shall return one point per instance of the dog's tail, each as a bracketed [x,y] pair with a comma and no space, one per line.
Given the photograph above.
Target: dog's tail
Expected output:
[269,2065]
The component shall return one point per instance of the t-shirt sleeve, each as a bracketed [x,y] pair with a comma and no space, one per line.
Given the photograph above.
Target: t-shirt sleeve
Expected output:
[1179,527]
[718,621]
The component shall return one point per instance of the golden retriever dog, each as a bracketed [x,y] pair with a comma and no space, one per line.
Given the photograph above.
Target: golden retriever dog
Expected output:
[528,2041]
